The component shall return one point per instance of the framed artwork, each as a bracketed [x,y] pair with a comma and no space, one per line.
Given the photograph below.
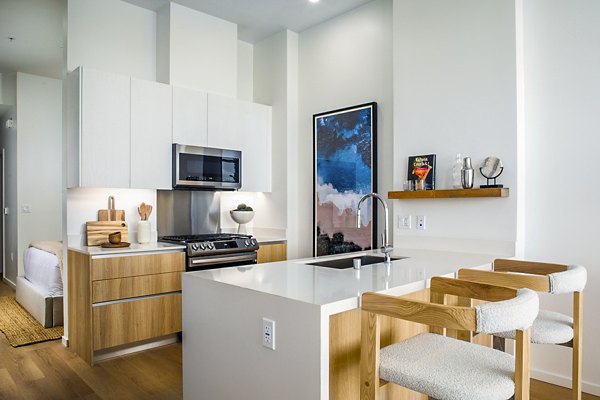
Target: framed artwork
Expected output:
[345,169]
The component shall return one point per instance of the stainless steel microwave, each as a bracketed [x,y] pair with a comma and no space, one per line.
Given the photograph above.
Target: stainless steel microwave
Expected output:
[196,167]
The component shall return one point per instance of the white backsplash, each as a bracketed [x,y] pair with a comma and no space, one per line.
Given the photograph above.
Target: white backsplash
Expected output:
[83,205]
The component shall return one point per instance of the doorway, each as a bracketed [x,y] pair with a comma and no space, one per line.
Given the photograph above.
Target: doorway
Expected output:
[2,213]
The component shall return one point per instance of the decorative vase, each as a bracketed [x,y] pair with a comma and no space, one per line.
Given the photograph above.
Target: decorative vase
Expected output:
[144,232]
[457,172]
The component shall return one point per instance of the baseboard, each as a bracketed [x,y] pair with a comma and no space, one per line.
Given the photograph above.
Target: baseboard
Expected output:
[9,282]
[564,381]
[65,341]
[139,346]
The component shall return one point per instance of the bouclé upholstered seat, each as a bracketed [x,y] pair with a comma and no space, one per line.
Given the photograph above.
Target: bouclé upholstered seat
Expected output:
[549,327]
[444,367]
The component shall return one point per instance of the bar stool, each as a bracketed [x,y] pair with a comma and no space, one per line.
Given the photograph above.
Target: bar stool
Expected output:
[443,367]
[549,327]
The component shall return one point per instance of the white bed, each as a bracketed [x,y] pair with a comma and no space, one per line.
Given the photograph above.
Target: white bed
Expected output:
[40,290]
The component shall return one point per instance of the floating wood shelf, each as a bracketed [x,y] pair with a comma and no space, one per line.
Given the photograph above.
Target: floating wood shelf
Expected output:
[449,194]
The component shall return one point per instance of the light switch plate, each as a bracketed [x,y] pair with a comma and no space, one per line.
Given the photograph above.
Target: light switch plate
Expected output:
[404,222]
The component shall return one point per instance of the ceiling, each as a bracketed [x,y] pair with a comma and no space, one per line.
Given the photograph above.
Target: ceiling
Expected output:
[36,26]
[258,19]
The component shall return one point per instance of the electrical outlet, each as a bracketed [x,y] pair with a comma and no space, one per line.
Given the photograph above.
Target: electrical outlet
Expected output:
[421,222]
[404,222]
[268,333]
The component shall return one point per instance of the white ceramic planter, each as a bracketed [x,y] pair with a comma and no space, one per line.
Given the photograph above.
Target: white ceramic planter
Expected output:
[241,218]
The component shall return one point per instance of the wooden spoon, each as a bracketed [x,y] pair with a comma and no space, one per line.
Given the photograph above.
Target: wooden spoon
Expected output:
[148,212]
[142,211]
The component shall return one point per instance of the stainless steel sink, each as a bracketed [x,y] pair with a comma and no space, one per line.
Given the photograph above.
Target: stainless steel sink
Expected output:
[347,262]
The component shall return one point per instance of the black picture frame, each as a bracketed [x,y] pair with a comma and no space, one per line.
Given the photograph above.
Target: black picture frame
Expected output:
[372,110]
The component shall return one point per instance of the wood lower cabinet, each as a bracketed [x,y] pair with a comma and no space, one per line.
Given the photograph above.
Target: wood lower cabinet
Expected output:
[272,253]
[134,320]
[124,299]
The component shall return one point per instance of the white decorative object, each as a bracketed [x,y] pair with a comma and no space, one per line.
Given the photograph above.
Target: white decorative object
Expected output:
[456,172]
[144,232]
[241,218]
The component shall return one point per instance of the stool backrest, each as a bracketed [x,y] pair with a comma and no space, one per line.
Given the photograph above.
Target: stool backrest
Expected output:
[569,281]
[517,313]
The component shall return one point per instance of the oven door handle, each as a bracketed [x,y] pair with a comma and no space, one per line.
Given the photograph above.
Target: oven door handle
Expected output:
[223,260]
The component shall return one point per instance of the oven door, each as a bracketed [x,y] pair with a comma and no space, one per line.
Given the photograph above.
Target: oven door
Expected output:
[221,261]
[197,167]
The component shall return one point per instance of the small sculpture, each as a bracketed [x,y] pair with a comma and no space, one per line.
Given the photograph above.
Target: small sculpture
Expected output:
[491,168]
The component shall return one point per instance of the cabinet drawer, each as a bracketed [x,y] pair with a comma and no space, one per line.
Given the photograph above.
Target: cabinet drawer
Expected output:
[133,320]
[123,267]
[135,286]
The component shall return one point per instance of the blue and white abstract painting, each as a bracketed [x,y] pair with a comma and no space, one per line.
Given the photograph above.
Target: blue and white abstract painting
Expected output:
[344,172]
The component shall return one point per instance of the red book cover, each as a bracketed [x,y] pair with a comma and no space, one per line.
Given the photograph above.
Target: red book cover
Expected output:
[421,169]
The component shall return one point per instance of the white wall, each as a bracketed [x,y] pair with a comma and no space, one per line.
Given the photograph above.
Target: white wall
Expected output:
[111,35]
[39,163]
[455,92]
[8,142]
[342,62]
[8,88]
[562,104]
[273,83]
[270,87]
[202,50]
[245,71]
[83,205]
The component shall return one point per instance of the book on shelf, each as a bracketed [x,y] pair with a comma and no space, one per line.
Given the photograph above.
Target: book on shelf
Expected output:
[421,170]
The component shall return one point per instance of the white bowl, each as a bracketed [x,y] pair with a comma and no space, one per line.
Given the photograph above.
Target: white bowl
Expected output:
[241,217]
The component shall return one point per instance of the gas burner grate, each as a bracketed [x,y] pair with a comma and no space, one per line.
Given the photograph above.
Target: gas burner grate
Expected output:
[209,237]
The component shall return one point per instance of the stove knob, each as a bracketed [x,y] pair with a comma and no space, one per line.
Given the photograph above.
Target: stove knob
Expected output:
[254,242]
[202,246]
[247,243]
[194,247]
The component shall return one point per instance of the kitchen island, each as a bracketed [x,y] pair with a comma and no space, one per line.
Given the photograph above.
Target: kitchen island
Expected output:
[317,324]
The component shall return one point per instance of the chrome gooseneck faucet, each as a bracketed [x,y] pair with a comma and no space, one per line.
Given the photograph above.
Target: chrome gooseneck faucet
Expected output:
[385,247]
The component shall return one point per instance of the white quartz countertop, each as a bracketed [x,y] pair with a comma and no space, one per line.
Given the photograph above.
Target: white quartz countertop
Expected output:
[134,248]
[341,288]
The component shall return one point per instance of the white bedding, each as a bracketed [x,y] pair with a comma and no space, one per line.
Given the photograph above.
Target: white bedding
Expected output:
[42,270]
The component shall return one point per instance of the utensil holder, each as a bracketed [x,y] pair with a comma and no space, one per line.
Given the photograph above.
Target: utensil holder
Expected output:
[144,232]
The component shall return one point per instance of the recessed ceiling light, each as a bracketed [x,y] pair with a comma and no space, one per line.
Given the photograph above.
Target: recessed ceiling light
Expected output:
[314,1]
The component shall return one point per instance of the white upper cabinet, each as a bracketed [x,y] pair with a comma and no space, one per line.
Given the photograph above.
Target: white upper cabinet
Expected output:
[222,125]
[254,133]
[189,117]
[104,129]
[151,134]
[242,125]
[120,131]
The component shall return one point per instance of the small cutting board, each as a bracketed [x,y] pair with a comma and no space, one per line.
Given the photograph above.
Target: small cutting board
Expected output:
[97,231]
[111,215]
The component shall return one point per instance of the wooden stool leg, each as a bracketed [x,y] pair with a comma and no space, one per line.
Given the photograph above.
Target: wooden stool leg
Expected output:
[522,364]
[499,343]
[577,336]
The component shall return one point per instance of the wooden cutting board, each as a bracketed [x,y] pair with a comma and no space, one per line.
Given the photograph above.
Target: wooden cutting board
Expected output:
[97,231]
[111,215]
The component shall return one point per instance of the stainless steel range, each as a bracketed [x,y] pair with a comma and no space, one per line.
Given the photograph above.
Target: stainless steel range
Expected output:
[219,250]
[192,218]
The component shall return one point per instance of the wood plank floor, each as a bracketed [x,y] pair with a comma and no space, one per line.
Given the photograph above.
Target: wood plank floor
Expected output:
[50,371]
